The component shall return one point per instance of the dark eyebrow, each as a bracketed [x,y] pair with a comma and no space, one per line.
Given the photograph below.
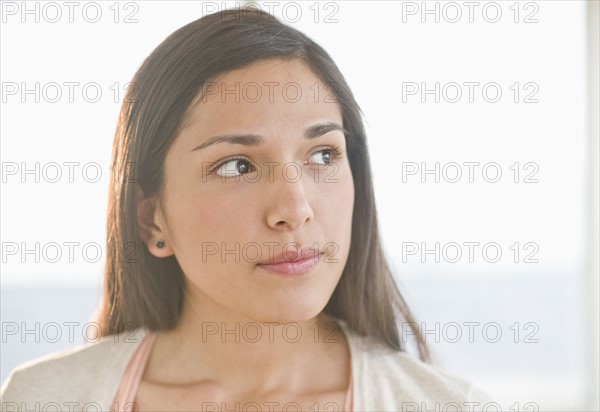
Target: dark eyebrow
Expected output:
[254,140]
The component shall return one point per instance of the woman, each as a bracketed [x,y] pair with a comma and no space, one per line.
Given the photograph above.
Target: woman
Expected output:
[246,271]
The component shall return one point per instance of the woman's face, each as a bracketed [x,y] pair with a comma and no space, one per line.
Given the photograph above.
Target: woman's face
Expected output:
[220,216]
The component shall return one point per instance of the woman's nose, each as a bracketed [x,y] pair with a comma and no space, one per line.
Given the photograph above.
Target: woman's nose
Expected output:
[288,204]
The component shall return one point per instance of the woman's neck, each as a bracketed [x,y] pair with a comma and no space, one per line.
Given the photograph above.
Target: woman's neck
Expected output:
[211,345]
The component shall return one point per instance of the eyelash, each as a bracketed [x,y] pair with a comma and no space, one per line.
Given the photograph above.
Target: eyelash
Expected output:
[335,151]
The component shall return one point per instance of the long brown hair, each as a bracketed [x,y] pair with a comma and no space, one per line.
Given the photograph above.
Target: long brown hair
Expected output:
[145,291]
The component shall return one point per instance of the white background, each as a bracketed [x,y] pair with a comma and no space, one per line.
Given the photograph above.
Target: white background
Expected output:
[380,47]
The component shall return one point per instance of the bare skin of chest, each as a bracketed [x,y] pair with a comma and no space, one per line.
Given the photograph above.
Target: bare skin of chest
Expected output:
[205,397]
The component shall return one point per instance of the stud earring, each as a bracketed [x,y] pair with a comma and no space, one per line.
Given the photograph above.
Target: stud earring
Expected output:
[160,244]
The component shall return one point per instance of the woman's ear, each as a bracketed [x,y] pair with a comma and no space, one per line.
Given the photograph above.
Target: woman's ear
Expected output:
[151,225]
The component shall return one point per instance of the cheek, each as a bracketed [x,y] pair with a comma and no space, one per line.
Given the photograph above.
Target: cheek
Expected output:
[204,229]
[336,206]
[209,220]
[341,193]
[198,220]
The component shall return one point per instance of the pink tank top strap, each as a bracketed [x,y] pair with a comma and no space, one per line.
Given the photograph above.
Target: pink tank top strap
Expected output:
[124,399]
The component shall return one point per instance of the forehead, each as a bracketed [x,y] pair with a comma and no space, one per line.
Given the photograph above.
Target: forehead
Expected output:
[265,92]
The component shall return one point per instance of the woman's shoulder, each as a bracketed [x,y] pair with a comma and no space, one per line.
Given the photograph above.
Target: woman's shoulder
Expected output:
[71,378]
[387,379]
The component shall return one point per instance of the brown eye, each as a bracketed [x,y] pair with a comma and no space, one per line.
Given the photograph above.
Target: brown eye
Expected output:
[232,167]
[327,156]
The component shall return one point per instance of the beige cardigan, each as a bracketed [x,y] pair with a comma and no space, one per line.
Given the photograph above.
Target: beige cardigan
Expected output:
[86,378]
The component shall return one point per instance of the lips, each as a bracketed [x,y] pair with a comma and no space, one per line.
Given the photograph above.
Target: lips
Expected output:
[292,263]
[294,255]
